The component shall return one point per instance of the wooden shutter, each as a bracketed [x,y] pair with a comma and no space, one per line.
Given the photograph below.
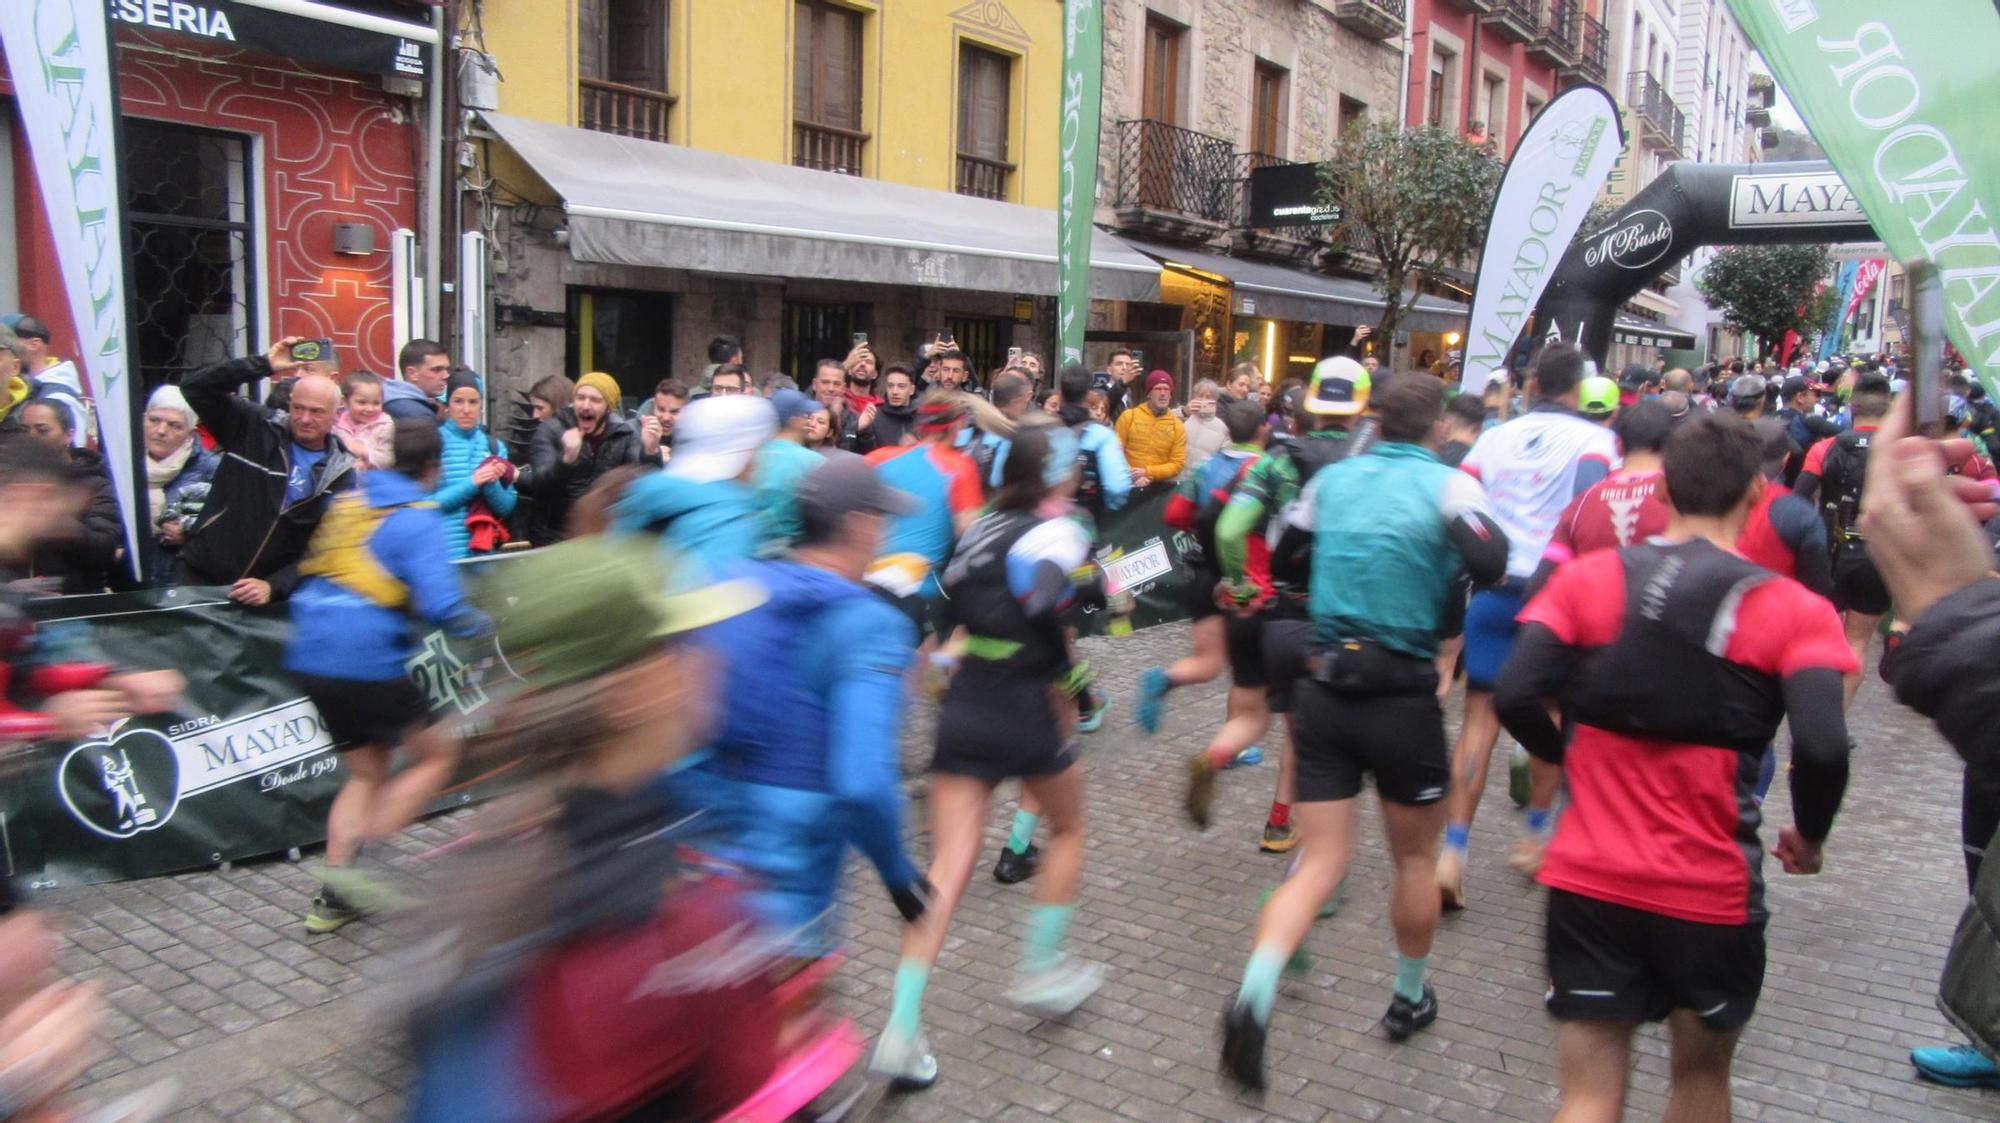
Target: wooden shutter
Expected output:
[983,103]
[1267,124]
[635,52]
[1162,77]
[840,54]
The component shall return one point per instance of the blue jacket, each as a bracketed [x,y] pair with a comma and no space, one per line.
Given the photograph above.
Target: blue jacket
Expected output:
[464,451]
[404,400]
[714,523]
[807,763]
[187,491]
[781,464]
[376,567]
[1114,473]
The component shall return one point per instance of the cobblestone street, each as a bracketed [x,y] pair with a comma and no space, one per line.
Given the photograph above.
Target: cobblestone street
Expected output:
[213,981]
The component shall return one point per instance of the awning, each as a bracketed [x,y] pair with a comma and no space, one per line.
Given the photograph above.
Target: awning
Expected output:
[638,202]
[1281,293]
[1646,333]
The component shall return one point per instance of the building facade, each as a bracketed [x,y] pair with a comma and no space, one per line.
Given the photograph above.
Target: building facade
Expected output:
[272,170]
[1486,67]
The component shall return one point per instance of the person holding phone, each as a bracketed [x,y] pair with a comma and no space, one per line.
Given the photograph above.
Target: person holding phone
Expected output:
[861,367]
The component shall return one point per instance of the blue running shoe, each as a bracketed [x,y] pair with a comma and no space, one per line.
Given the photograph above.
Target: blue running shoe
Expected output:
[1960,1066]
[1093,721]
[1153,687]
[1252,755]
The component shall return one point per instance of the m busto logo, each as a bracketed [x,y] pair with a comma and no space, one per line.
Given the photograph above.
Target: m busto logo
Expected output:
[1640,240]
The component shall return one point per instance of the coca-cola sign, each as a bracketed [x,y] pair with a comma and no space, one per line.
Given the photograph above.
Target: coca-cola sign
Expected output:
[1642,239]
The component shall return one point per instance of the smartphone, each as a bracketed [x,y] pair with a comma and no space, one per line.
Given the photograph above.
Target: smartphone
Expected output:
[860,339]
[313,351]
[1139,357]
[1927,344]
[1013,356]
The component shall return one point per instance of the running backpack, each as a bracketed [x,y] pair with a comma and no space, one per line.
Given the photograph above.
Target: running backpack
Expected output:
[1841,479]
[1089,487]
[1198,502]
[1290,534]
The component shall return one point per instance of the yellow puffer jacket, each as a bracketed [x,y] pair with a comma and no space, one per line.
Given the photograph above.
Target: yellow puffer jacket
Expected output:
[1155,443]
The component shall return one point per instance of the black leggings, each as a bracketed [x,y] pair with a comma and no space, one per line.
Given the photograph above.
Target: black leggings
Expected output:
[1979,818]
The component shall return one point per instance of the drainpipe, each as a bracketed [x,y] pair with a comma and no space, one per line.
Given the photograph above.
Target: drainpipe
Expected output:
[434,162]
[1403,88]
[1476,74]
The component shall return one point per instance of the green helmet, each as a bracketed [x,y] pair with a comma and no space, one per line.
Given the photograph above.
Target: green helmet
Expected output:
[1597,396]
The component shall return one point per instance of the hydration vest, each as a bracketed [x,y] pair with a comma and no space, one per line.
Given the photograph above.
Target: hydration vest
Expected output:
[341,550]
[976,582]
[1291,543]
[1089,487]
[1841,479]
[1665,677]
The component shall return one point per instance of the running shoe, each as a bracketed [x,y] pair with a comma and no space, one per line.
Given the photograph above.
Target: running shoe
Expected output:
[1014,868]
[1405,1017]
[1094,720]
[1056,991]
[1243,1046]
[1451,878]
[371,887]
[1200,790]
[1527,856]
[1960,1066]
[905,1062]
[1152,705]
[1252,755]
[1278,839]
[329,913]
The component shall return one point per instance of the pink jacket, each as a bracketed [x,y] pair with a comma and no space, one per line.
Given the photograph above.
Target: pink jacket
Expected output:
[373,444]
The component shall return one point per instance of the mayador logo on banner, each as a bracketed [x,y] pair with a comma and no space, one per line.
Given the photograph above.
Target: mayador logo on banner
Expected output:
[1641,240]
[1557,169]
[1790,200]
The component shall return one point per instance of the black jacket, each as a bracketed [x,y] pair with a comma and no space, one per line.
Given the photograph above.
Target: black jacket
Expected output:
[245,529]
[556,485]
[893,423]
[85,560]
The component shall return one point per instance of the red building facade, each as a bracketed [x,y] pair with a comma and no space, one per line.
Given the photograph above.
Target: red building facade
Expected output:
[1484,68]
[238,165]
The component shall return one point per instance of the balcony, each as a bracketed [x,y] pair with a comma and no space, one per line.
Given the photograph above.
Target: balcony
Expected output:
[1757,117]
[1175,182]
[1371,19]
[1593,52]
[613,107]
[983,178]
[1519,20]
[1660,119]
[1555,40]
[1476,7]
[827,148]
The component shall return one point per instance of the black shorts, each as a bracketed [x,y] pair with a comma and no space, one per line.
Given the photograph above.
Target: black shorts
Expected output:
[1286,638]
[1857,585]
[1341,737]
[1451,624]
[1202,580]
[1614,963]
[996,723]
[357,713]
[1245,639]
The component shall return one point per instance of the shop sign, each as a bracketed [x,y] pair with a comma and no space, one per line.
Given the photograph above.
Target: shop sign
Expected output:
[1289,195]
[290,34]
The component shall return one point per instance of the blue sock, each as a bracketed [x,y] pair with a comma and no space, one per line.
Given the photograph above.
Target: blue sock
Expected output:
[906,1003]
[1023,833]
[1767,771]
[1538,820]
[1410,976]
[1260,981]
[1047,925]
[1458,836]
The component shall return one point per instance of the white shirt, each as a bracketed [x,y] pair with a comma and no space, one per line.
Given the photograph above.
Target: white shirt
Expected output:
[1529,466]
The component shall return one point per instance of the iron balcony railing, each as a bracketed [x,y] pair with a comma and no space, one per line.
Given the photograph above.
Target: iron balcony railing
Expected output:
[1657,110]
[1594,49]
[613,107]
[1557,38]
[1177,171]
[827,148]
[1517,19]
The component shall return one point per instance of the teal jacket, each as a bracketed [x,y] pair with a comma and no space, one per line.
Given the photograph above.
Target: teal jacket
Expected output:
[781,464]
[713,523]
[1390,529]
[464,451]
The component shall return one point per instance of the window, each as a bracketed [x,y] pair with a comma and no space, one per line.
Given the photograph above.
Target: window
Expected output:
[1443,72]
[818,331]
[984,97]
[1160,96]
[826,88]
[1267,118]
[1534,106]
[623,80]
[628,335]
[1352,113]
[1493,105]
[188,233]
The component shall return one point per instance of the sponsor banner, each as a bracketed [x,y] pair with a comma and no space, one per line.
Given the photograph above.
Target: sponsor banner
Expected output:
[246,769]
[1289,195]
[1829,339]
[1076,198]
[379,45]
[58,54]
[1557,169]
[1864,282]
[1796,199]
[1142,556]
[1902,106]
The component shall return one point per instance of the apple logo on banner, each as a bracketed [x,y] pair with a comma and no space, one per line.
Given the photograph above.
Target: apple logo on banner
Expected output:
[121,785]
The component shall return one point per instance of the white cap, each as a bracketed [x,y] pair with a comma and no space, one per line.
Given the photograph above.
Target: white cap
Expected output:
[715,438]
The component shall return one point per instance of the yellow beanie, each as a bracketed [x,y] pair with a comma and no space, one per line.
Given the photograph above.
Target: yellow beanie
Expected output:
[603,384]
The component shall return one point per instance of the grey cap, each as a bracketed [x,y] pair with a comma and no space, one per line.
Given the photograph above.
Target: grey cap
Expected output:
[845,484]
[1747,388]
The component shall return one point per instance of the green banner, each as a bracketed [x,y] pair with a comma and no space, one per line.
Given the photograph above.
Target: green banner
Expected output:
[1082,103]
[1143,556]
[1898,96]
[244,769]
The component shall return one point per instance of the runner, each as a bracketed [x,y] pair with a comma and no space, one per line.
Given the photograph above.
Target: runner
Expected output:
[1832,477]
[1008,713]
[1628,507]
[944,483]
[377,564]
[1675,662]
[1392,526]
[1532,467]
[1193,510]
[1264,587]
[1597,398]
